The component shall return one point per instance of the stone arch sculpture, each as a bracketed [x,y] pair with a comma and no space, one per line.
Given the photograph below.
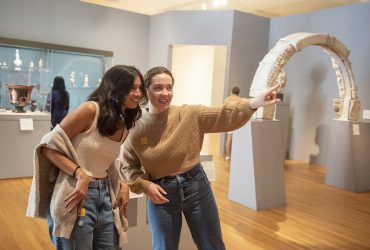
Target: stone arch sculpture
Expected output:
[271,72]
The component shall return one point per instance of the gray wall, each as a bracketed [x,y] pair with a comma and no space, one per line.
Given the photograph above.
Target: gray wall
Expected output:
[249,45]
[187,27]
[245,35]
[311,81]
[73,23]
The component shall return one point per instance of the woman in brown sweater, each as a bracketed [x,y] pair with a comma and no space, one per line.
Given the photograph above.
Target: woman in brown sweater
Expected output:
[161,158]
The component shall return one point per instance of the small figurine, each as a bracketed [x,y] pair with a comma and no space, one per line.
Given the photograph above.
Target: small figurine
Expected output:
[86,81]
[17,61]
[41,63]
[72,78]
[31,66]
[33,105]
[4,66]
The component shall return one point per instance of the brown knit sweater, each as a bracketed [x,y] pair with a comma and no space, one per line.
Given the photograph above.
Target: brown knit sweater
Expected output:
[170,142]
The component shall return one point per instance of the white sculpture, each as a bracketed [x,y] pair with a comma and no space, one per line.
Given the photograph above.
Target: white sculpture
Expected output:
[41,63]
[17,61]
[347,106]
[31,66]
[72,78]
[4,66]
[86,81]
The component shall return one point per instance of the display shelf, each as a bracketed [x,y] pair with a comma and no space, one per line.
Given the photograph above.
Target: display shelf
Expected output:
[34,63]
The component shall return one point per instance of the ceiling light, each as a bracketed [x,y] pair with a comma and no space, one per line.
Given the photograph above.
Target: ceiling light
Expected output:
[219,3]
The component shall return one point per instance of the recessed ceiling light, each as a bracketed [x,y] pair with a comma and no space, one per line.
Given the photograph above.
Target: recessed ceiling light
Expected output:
[218,3]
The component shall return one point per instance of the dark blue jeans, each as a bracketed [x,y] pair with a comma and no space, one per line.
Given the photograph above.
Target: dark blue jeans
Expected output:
[96,229]
[189,193]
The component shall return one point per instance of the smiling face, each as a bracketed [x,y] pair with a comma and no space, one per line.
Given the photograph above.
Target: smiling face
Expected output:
[160,93]
[132,100]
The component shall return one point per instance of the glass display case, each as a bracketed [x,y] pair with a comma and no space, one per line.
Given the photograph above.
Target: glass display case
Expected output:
[27,70]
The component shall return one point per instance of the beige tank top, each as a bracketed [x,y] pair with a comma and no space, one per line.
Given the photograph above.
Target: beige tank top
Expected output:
[96,152]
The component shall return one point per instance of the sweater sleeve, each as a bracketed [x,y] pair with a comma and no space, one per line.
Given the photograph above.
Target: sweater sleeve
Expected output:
[131,169]
[231,116]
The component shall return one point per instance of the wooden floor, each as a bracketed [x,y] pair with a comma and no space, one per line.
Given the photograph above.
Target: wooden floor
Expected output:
[317,216]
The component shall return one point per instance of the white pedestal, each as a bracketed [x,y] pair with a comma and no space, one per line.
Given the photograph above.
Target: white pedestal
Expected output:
[257,166]
[16,145]
[139,235]
[349,156]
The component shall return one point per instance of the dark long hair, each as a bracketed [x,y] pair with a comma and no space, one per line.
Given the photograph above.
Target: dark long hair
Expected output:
[59,85]
[116,85]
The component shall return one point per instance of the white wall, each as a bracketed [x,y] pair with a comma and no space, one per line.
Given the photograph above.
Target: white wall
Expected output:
[192,67]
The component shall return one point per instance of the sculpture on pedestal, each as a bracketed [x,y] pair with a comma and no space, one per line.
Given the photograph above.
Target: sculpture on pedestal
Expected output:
[72,78]
[41,63]
[270,69]
[17,61]
[31,66]
[86,81]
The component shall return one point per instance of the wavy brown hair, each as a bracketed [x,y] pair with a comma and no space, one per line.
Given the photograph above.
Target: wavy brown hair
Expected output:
[116,84]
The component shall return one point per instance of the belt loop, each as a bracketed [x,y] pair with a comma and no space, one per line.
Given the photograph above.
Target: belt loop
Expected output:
[189,176]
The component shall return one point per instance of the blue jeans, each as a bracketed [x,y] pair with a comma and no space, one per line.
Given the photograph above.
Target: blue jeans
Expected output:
[96,229]
[189,193]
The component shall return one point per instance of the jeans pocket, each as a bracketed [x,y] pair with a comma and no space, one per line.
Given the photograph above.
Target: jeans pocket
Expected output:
[201,177]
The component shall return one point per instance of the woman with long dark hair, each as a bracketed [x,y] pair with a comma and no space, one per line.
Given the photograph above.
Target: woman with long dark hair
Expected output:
[85,202]
[58,101]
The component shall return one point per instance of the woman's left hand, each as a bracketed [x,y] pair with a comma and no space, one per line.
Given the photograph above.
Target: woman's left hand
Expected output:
[122,198]
[266,98]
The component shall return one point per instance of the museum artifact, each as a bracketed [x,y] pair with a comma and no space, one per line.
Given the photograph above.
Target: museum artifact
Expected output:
[17,61]
[86,81]
[72,79]
[33,105]
[41,63]
[31,66]
[19,96]
[3,66]
[271,68]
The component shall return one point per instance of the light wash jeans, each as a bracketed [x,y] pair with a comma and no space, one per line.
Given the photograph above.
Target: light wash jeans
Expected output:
[96,229]
[189,193]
